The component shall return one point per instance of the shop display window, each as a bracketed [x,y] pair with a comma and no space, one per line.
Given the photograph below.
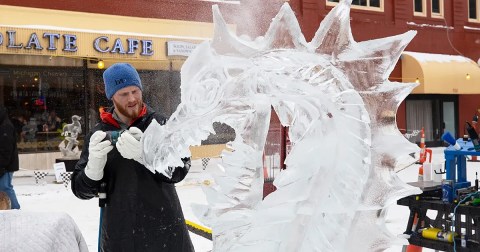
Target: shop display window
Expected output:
[39,102]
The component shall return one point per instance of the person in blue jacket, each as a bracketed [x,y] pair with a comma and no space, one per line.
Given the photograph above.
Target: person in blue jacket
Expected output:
[8,157]
[142,211]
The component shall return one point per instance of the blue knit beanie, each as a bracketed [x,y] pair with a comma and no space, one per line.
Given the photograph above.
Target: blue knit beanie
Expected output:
[118,76]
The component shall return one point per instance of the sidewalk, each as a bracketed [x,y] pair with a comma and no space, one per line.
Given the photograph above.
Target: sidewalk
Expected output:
[198,174]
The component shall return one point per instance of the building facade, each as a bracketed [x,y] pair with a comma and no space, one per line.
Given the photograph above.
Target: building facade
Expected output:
[52,56]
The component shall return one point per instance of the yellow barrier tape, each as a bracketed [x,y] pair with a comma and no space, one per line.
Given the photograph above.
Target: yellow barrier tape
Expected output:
[197,226]
[199,230]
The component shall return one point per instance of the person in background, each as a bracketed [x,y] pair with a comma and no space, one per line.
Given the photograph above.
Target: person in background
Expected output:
[29,130]
[142,211]
[8,157]
[53,122]
[475,123]
[18,123]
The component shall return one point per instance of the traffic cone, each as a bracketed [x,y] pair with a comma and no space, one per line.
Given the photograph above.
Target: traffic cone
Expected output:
[412,248]
[422,155]
[420,173]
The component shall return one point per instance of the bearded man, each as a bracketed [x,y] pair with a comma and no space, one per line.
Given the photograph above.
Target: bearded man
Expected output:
[140,210]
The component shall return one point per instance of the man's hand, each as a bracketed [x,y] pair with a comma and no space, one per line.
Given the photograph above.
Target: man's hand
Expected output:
[97,157]
[129,144]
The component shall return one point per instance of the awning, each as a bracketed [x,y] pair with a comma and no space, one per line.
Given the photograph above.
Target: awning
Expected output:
[103,23]
[93,31]
[440,73]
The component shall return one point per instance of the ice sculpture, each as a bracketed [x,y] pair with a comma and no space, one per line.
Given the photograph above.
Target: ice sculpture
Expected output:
[69,146]
[334,95]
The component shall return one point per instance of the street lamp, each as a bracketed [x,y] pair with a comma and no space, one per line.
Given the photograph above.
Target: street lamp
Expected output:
[100,64]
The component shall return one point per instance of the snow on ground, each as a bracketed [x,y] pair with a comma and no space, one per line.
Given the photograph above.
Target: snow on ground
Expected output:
[54,197]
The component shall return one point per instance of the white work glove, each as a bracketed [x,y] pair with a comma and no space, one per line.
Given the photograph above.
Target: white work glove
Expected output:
[129,144]
[97,157]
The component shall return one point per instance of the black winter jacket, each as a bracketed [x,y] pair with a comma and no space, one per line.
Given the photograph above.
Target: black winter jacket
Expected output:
[142,211]
[8,145]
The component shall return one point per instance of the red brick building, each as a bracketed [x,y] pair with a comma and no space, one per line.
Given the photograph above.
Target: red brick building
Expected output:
[448,94]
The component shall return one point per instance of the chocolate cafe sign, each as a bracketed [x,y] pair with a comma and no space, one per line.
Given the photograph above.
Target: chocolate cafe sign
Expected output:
[82,44]
[69,43]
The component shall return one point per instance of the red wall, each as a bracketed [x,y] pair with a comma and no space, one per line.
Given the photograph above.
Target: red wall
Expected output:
[178,9]
[252,16]
[258,13]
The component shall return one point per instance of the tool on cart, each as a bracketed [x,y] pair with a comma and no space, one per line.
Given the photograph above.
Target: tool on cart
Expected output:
[447,137]
[463,192]
[456,163]
[447,191]
[438,234]
[455,226]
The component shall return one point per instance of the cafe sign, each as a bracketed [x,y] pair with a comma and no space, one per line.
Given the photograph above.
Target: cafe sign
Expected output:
[180,48]
[91,45]
[69,43]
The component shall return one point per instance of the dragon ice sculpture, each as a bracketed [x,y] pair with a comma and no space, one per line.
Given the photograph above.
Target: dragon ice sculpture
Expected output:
[334,95]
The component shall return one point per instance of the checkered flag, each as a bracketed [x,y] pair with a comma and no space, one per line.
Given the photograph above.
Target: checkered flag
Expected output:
[40,177]
[66,178]
[205,162]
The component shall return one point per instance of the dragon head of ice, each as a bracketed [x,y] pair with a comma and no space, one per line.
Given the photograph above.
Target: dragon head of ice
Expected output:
[333,94]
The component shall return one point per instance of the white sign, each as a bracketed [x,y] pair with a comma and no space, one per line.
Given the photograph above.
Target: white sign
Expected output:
[59,168]
[180,48]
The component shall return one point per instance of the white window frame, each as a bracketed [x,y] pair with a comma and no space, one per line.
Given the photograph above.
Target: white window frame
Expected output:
[441,9]
[424,9]
[368,7]
[477,20]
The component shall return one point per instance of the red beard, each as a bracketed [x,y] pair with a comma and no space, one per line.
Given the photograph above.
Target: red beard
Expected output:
[130,113]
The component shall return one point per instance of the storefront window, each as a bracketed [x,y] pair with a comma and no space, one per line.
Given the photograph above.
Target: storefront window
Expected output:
[40,100]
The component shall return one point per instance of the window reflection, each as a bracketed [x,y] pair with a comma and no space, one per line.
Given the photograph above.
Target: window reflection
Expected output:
[40,100]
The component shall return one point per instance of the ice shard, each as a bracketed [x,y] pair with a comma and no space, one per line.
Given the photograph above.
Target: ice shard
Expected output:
[334,95]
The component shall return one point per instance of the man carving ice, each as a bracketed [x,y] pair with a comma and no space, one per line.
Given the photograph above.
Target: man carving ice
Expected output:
[142,211]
